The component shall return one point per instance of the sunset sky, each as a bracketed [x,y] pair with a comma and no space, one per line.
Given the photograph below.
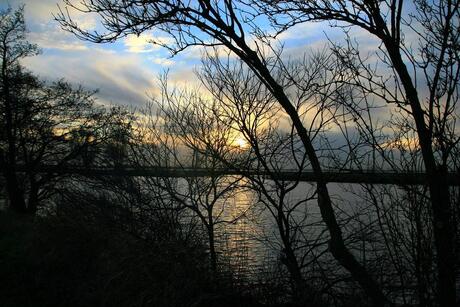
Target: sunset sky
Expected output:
[125,72]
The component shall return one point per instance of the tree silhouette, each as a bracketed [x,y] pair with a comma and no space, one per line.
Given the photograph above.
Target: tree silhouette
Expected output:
[426,88]
[215,23]
[44,123]
[13,47]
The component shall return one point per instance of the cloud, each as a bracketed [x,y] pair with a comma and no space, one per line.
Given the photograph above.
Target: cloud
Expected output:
[144,42]
[55,38]
[36,11]
[40,12]
[163,61]
[303,31]
[120,79]
[44,31]
[184,77]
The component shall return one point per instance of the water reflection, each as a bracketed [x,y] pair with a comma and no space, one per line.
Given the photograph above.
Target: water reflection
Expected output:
[249,239]
[239,238]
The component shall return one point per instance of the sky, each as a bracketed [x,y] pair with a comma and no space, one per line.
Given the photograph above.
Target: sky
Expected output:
[124,72]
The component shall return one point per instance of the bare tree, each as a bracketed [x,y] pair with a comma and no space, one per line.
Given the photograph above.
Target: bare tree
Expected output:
[172,137]
[245,105]
[242,106]
[45,124]
[427,89]
[13,48]
[217,23]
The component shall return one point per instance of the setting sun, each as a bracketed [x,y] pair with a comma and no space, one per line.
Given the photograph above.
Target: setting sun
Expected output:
[241,142]
[266,153]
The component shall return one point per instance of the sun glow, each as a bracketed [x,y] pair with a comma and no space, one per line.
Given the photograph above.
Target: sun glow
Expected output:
[241,142]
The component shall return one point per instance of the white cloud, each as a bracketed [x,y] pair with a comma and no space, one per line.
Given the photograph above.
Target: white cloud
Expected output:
[163,61]
[120,79]
[305,30]
[144,42]
[52,37]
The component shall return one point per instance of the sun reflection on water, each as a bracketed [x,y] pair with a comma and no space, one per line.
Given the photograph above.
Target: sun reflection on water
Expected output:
[239,244]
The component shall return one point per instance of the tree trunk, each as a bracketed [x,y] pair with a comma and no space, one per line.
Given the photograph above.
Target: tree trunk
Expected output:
[212,254]
[444,230]
[212,247]
[444,234]
[33,197]
[336,243]
[15,194]
[301,293]
[289,259]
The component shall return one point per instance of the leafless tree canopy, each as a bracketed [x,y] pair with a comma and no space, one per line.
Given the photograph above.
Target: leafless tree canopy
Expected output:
[338,108]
